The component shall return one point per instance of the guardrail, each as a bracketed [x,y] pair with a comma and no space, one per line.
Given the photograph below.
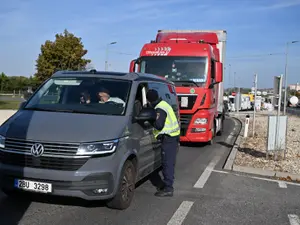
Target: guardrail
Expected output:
[293,111]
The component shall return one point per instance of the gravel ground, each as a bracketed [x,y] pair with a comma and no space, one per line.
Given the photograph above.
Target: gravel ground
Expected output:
[252,151]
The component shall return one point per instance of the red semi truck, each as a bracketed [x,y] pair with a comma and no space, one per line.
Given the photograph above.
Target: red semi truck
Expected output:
[193,60]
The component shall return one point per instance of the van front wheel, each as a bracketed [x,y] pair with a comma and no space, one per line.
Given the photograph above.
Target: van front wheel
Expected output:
[126,188]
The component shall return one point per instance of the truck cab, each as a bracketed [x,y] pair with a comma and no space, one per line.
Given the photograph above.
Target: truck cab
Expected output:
[193,61]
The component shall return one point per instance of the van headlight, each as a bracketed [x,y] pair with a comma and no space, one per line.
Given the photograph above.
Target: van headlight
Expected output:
[97,148]
[2,141]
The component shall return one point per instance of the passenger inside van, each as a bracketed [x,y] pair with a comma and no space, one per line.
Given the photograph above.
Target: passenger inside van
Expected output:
[104,96]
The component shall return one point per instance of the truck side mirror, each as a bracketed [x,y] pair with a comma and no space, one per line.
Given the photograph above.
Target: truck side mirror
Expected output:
[132,66]
[219,72]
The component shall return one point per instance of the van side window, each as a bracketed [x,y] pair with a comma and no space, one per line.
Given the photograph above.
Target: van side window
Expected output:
[166,92]
[138,103]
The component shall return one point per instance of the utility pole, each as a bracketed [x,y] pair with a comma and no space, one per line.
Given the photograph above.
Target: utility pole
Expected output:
[106,54]
[286,75]
[254,107]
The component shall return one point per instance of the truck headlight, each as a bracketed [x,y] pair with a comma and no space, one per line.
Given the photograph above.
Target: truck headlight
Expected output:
[2,142]
[200,121]
[97,148]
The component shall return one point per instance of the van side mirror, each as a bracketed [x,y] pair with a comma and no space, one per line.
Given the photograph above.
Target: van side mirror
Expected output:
[219,72]
[146,114]
[132,66]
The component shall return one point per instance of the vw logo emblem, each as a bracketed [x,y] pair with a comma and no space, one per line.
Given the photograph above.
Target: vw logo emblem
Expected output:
[37,150]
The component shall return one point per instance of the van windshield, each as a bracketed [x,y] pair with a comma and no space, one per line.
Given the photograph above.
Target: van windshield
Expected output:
[82,95]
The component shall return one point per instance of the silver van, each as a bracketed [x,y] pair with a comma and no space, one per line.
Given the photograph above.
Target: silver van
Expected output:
[84,134]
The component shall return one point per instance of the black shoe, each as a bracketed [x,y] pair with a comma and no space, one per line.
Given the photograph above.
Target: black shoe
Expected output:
[164,193]
[159,189]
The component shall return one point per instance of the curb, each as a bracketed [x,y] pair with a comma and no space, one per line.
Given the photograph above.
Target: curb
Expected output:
[268,173]
[251,170]
[230,160]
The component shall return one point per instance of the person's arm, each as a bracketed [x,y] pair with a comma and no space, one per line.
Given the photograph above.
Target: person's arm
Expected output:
[160,121]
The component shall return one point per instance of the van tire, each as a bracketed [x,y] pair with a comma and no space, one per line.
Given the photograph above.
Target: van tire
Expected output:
[122,200]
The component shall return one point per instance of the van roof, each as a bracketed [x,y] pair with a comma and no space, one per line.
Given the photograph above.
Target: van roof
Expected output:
[112,75]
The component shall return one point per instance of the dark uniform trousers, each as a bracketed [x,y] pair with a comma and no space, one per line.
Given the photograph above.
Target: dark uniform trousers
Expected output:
[169,149]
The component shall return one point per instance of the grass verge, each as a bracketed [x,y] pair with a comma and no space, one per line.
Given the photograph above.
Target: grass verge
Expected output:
[9,105]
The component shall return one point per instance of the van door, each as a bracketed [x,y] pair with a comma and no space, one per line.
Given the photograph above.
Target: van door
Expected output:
[142,136]
[167,93]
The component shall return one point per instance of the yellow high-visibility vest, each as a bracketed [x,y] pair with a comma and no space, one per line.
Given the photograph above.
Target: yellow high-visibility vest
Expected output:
[171,125]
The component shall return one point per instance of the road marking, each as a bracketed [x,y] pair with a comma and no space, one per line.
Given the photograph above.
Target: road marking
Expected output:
[206,173]
[282,184]
[294,219]
[180,214]
[257,178]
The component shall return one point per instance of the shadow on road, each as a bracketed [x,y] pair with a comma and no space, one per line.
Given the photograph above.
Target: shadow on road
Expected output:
[12,210]
[252,152]
[67,201]
[227,145]
[193,145]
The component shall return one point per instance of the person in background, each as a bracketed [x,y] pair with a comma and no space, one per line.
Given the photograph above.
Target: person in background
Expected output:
[167,130]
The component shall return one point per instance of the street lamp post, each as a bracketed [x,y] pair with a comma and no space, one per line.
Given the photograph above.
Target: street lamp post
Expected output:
[285,75]
[106,54]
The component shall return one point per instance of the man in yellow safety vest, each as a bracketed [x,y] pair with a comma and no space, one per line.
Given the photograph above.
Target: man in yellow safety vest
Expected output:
[167,130]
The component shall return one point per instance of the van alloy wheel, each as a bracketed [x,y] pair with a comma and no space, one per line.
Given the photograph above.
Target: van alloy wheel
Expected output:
[125,189]
[127,184]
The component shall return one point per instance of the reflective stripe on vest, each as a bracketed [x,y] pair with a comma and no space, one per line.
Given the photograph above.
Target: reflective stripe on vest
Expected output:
[171,124]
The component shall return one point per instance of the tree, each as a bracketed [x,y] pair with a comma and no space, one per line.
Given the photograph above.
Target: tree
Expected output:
[65,53]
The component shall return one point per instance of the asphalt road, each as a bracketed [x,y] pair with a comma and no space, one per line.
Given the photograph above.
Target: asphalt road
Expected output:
[205,194]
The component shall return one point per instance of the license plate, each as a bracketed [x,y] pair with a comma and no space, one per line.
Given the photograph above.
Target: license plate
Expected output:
[33,186]
[184,102]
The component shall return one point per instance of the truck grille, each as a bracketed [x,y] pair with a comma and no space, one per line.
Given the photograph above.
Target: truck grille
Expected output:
[185,120]
[56,156]
[51,149]
[69,164]
[191,101]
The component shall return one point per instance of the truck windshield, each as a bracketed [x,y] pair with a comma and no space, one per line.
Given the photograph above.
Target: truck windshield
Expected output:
[82,95]
[176,68]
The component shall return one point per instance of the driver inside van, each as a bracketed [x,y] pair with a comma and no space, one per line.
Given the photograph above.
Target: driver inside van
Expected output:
[104,96]
[85,98]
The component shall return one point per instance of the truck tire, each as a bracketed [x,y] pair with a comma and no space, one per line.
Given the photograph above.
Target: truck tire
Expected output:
[125,191]
[211,142]
[220,132]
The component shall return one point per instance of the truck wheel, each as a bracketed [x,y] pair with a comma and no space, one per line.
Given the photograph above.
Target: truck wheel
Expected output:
[126,188]
[222,128]
[211,142]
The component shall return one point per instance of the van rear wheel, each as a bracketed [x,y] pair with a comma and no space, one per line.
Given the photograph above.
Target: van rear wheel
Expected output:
[126,188]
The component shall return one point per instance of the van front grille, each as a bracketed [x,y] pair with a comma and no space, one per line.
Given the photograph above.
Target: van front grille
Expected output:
[43,162]
[56,156]
[53,149]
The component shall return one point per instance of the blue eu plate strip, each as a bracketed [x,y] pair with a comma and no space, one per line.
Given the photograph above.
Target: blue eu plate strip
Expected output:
[16,183]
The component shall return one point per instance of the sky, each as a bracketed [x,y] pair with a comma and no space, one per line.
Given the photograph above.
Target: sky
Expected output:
[257,32]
